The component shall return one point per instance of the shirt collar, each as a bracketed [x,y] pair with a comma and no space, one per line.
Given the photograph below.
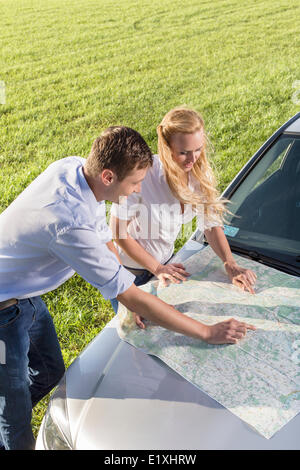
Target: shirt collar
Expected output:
[86,191]
[161,171]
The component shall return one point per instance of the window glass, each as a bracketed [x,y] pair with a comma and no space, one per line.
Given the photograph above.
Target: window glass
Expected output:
[266,206]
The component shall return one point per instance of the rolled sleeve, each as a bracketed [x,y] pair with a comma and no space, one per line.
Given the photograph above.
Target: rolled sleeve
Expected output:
[211,221]
[84,251]
[207,221]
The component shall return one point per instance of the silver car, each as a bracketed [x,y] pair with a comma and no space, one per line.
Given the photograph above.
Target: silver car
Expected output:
[114,396]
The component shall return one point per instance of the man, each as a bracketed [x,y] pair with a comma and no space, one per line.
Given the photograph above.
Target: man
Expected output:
[54,228]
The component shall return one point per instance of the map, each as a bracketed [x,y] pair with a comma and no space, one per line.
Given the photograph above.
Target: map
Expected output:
[257,379]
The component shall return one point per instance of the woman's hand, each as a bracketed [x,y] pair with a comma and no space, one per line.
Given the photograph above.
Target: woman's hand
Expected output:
[139,321]
[241,277]
[174,272]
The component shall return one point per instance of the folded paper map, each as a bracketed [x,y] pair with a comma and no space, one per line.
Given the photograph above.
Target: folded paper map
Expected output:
[257,379]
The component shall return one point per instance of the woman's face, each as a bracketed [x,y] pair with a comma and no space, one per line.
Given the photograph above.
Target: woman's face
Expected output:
[186,149]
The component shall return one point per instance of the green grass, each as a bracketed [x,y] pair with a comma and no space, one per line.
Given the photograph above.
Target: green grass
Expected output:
[72,68]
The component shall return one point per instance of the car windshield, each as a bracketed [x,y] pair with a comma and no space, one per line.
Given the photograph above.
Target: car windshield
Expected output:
[265,208]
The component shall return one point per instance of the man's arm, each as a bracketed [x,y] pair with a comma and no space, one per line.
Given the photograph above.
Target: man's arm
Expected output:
[154,309]
[98,267]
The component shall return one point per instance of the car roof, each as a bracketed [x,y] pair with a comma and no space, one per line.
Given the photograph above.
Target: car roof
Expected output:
[293,128]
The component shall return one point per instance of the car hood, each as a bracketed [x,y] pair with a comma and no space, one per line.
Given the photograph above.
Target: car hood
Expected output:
[118,397]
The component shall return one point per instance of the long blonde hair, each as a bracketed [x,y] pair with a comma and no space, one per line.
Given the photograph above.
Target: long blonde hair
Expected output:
[187,121]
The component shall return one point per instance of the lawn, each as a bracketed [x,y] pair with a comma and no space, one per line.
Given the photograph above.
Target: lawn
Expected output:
[73,68]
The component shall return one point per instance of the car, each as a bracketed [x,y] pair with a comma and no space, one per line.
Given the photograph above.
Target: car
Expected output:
[114,396]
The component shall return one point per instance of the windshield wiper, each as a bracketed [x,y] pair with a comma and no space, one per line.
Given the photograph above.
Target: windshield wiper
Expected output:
[268,260]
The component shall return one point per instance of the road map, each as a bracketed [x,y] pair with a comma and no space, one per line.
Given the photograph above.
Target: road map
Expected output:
[257,379]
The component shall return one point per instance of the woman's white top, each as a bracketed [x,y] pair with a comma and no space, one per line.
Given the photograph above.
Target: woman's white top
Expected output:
[155,215]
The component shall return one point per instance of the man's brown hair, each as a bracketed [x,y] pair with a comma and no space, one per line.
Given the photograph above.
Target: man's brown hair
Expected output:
[120,149]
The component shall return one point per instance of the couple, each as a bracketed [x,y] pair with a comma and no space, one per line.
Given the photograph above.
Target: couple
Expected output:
[179,185]
[57,226]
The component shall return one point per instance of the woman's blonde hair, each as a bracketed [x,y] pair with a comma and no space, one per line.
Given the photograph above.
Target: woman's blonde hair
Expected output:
[187,121]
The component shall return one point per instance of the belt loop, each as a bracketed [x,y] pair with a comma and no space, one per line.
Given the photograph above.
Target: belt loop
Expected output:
[34,308]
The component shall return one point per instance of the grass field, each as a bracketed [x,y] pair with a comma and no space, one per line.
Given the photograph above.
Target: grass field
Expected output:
[72,68]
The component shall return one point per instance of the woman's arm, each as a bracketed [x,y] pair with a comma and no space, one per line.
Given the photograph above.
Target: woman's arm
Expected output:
[173,272]
[131,247]
[219,243]
[243,278]
[111,246]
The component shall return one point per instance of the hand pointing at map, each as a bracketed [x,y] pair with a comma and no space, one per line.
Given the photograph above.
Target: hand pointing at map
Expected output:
[226,332]
[229,331]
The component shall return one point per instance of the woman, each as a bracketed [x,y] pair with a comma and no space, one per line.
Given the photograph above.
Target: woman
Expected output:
[179,185]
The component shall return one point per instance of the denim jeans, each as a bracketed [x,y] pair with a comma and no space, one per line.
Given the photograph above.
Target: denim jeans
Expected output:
[140,279]
[31,364]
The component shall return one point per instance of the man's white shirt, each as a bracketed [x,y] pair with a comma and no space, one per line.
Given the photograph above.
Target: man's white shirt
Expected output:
[53,229]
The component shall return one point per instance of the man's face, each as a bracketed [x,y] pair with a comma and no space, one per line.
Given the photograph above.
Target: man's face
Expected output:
[130,184]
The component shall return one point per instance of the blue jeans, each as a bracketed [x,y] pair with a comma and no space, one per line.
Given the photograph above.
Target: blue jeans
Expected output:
[31,364]
[140,279]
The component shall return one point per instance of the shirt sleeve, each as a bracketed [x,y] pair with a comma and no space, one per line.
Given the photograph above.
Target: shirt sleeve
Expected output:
[204,221]
[103,230]
[85,252]
[211,220]
[207,221]
[128,208]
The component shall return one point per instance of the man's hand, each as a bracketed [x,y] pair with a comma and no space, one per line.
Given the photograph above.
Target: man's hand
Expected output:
[226,332]
[241,277]
[229,331]
[173,272]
